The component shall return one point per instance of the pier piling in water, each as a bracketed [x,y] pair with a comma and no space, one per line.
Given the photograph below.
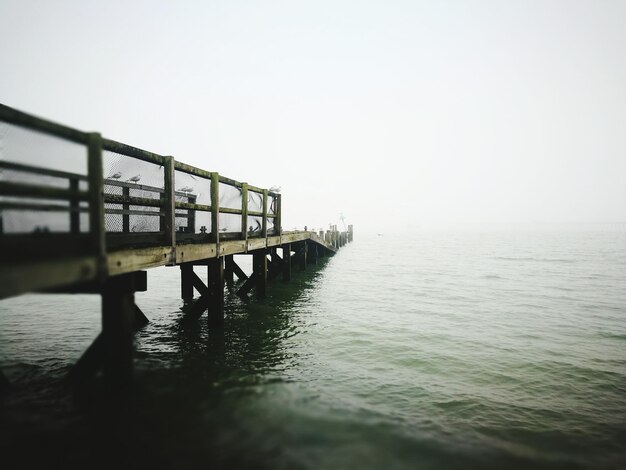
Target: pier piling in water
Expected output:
[287,262]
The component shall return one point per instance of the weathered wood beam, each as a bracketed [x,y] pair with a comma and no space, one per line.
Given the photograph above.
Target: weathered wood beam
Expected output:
[131,151]
[90,362]
[196,308]
[259,262]
[238,271]
[140,318]
[199,285]
[278,220]
[169,201]
[96,201]
[41,171]
[137,282]
[215,208]
[192,170]
[118,321]
[286,262]
[216,292]
[228,269]
[125,211]
[264,215]
[191,213]
[92,359]
[312,253]
[244,212]
[186,282]
[27,277]
[247,286]
[19,118]
[303,253]
[75,207]
[275,265]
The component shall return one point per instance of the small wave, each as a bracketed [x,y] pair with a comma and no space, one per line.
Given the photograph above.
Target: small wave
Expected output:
[617,336]
[531,258]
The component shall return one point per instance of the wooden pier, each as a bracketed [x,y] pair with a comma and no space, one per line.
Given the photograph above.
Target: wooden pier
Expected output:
[80,213]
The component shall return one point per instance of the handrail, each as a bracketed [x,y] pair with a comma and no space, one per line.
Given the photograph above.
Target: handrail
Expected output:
[164,202]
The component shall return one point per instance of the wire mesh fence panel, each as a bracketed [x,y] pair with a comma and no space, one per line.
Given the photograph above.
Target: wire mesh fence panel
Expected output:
[255,226]
[35,163]
[230,223]
[128,177]
[255,201]
[230,196]
[41,150]
[192,189]
[272,201]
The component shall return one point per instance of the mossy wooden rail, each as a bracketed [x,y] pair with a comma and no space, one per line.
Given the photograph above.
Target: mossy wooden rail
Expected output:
[90,256]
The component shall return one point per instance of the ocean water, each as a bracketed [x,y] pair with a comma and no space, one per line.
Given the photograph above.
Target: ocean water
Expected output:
[430,350]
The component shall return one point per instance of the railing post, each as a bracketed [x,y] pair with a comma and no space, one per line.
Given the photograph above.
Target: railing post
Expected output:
[264,226]
[286,261]
[244,212]
[126,207]
[278,220]
[168,205]
[215,209]
[191,216]
[96,200]
[74,208]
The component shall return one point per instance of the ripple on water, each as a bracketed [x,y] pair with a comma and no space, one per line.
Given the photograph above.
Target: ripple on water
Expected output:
[490,351]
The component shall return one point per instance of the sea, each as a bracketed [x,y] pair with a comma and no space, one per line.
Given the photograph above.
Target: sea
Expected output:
[440,349]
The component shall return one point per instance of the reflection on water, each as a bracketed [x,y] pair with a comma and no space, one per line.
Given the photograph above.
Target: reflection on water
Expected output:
[191,385]
[490,351]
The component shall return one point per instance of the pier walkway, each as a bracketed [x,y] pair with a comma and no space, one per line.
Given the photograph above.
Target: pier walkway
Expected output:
[80,213]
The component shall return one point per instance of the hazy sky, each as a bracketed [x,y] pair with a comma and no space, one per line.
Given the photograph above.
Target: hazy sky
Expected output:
[397,113]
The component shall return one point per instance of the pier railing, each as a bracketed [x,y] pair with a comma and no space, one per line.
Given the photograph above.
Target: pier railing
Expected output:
[84,214]
[89,195]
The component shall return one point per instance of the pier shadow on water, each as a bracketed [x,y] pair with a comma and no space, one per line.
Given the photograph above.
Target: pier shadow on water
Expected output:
[191,401]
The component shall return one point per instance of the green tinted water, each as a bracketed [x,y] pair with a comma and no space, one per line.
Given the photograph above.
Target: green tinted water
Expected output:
[460,350]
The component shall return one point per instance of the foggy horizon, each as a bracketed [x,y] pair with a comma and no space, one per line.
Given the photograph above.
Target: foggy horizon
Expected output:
[400,116]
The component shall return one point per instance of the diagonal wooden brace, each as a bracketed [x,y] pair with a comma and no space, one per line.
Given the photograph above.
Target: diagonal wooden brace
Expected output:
[195,309]
[275,266]
[238,271]
[247,286]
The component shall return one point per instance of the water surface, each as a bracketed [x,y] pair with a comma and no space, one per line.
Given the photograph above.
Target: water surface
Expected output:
[450,350]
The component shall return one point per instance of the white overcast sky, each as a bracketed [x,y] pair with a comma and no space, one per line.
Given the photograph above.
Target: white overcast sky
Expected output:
[397,113]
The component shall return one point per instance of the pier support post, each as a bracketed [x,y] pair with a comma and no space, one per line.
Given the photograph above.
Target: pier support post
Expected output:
[186,282]
[312,253]
[303,255]
[287,262]
[118,327]
[228,269]
[276,264]
[259,261]
[216,292]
